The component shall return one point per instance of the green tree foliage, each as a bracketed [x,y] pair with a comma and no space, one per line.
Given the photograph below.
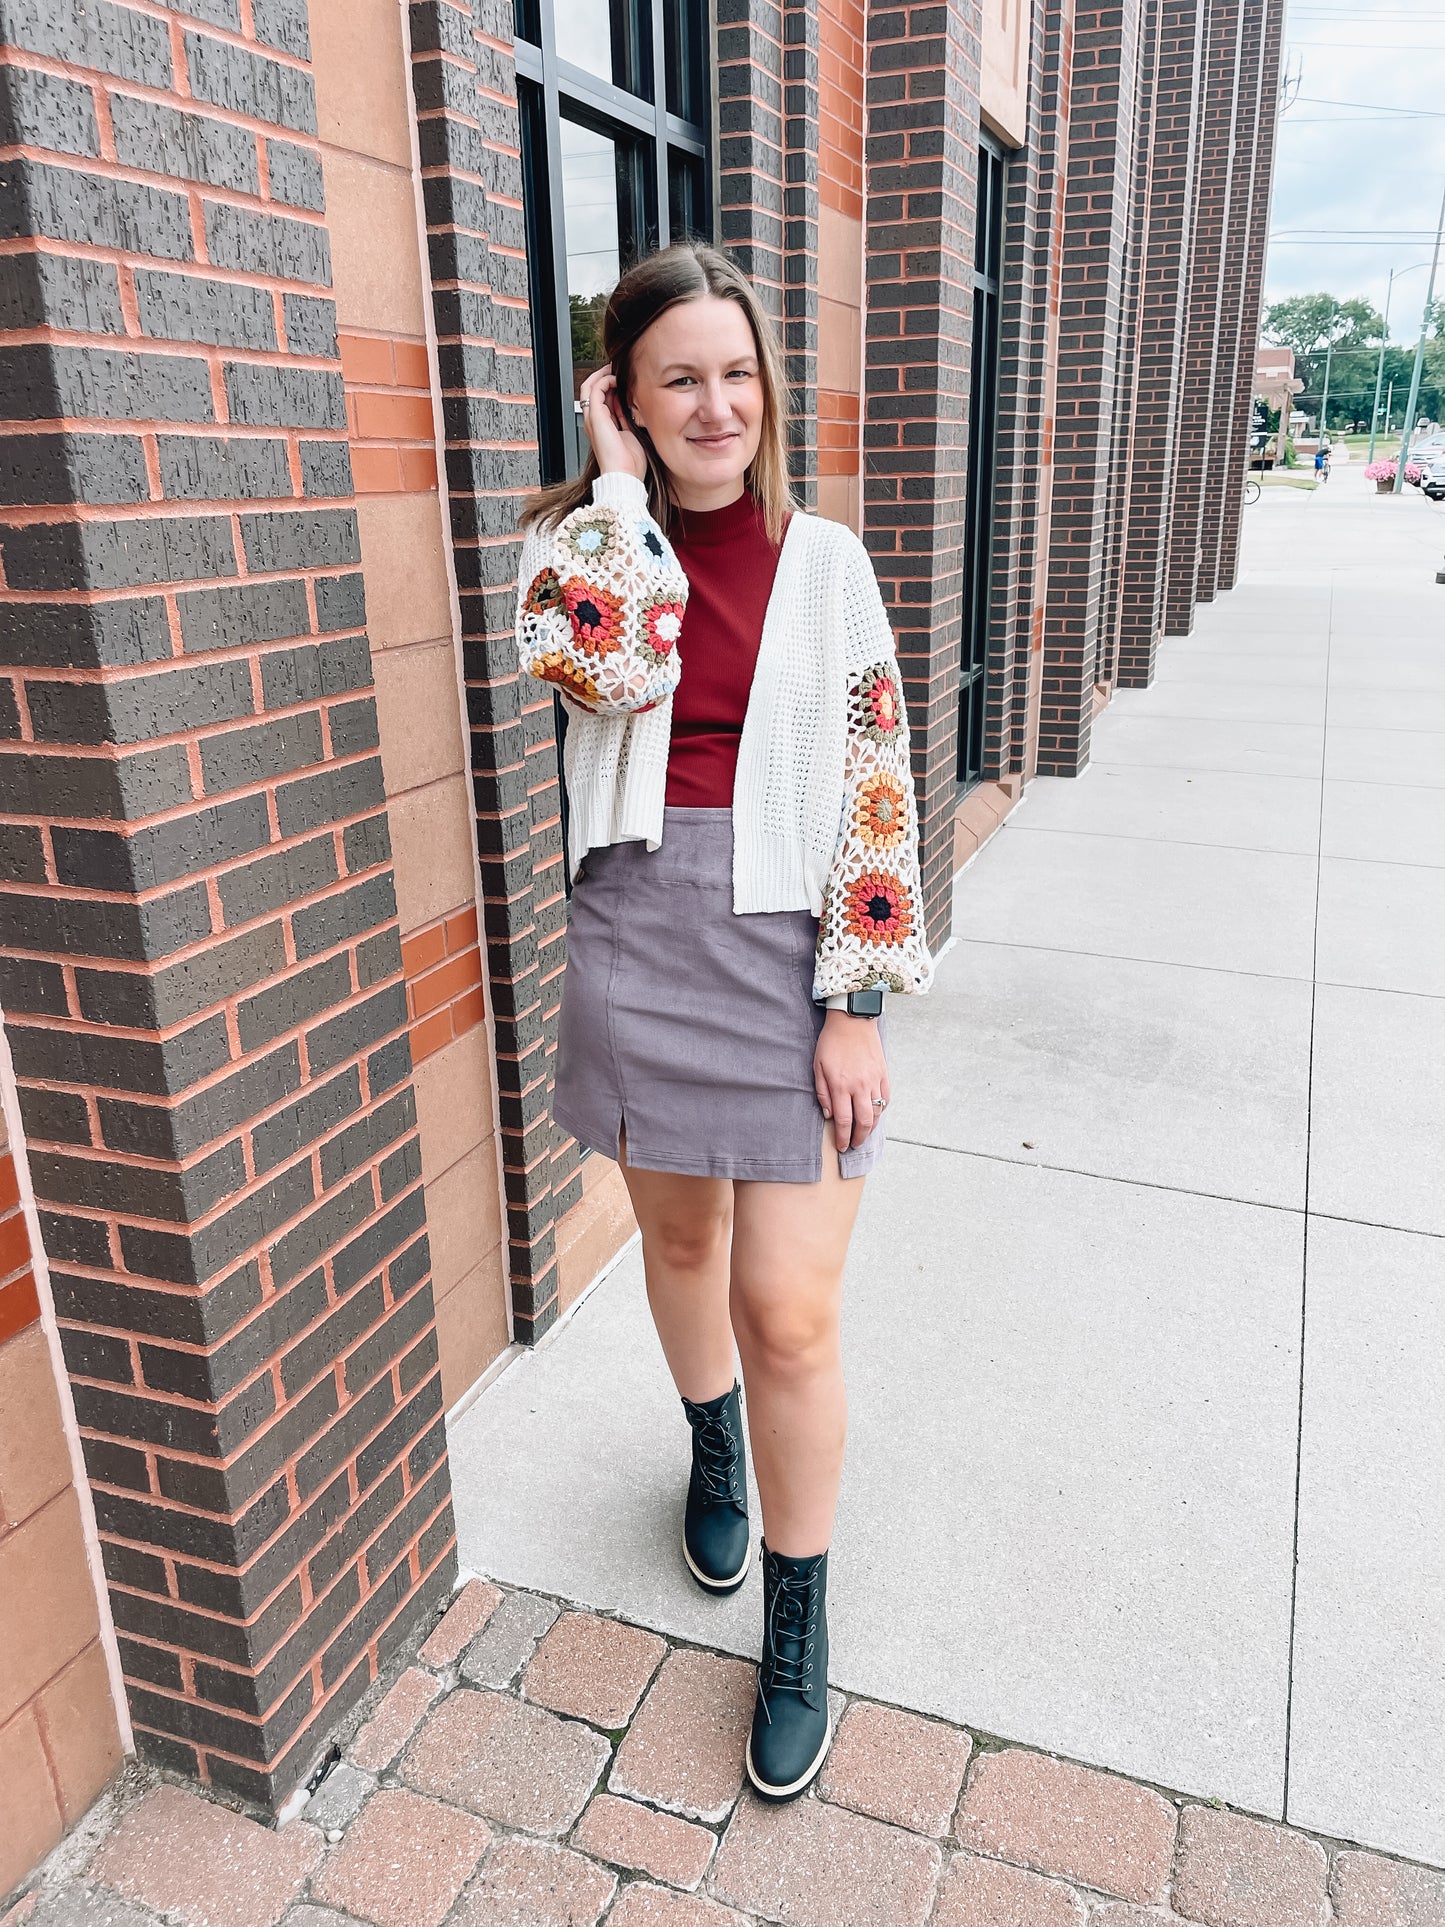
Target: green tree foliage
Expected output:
[1310,323]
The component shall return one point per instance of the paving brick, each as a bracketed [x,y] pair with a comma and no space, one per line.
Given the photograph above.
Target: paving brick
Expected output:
[1234,1872]
[209,1868]
[644,1906]
[309,1916]
[629,1835]
[595,1669]
[1121,1913]
[468,1613]
[685,1748]
[69,1906]
[897,1767]
[1371,1892]
[1070,1821]
[395,1720]
[403,1863]
[813,1865]
[508,1639]
[506,1760]
[527,1883]
[339,1796]
[989,1893]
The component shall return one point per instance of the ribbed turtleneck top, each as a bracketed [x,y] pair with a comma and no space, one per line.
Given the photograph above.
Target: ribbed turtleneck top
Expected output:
[730,564]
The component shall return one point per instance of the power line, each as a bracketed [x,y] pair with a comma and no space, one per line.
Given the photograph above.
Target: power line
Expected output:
[1375,106]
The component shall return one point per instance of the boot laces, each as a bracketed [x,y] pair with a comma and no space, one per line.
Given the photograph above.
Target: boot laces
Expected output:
[792,1617]
[717,1457]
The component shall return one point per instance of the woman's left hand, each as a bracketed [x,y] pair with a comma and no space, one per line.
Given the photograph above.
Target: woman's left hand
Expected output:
[850,1073]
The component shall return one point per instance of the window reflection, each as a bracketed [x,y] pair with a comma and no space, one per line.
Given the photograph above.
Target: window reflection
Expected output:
[606,38]
[589,191]
[685,213]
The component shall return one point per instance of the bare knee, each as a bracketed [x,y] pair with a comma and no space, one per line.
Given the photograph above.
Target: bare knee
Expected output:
[786,1340]
[695,1242]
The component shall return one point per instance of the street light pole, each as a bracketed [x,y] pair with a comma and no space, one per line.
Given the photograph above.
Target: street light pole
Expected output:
[1380,365]
[1409,427]
[1325,400]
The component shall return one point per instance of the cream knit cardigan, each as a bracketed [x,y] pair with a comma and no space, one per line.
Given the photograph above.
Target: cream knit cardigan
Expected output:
[824,814]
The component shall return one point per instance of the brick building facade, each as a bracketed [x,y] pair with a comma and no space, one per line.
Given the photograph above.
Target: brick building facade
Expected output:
[294,300]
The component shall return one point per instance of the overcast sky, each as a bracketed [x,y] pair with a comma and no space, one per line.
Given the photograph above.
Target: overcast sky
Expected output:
[1357,192]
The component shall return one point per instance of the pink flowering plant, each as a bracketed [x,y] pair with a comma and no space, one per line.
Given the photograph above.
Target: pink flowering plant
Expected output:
[1385,471]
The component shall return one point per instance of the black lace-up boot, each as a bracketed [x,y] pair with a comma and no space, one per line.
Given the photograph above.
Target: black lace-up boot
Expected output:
[790,1715]
[715,1530]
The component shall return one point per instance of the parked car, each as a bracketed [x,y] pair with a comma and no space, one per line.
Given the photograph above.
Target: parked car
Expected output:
[1432,482]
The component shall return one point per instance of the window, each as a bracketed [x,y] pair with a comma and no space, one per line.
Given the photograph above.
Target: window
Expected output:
[982,414]
[614,111]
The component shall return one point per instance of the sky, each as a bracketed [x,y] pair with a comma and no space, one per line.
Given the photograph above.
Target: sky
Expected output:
[1360,167]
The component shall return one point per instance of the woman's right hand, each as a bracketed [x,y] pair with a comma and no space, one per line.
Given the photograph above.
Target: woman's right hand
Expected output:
[616,447]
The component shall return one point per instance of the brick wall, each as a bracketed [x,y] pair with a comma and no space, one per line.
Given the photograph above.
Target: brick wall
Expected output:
[59,1737]
[199,957]
[922,166]
[1166,242]
[1093,267]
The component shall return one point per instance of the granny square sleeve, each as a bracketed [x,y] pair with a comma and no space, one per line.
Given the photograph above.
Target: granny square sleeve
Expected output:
[600,603]
[871,932]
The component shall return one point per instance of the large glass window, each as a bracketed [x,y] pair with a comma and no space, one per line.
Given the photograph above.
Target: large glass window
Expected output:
[982,414]
[609,169]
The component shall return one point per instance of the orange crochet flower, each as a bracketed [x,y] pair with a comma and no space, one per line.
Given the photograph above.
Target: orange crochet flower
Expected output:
[556,668]
[877,908]
[596,617]
[881,812]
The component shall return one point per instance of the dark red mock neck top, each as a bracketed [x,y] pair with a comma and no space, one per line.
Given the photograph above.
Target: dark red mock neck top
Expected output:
[730,564]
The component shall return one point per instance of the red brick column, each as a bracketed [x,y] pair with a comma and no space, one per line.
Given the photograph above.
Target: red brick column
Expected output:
[1094,238]
[199,962]
[1166,252]
[1205,314]
[922,159]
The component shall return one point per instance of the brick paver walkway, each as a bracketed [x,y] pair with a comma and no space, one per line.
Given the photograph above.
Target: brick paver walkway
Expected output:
[538,1766]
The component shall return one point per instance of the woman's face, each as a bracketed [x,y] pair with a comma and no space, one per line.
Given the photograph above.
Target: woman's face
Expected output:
[698,391]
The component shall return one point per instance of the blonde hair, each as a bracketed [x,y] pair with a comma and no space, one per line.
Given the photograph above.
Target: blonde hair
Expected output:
[686,271]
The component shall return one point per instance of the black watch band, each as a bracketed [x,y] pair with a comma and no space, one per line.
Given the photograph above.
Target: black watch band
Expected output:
[865,1003]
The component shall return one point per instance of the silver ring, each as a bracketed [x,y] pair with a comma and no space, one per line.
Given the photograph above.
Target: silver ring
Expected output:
[880,1103]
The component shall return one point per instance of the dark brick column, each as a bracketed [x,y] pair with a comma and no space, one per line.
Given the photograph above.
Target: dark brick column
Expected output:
[1126,363]
[199,963]
[922,164]
[1271,39]
[1224,461]
[800,238]
[1023,432]
[466,96]
[1095,235]
[1205,314]
[1166,256]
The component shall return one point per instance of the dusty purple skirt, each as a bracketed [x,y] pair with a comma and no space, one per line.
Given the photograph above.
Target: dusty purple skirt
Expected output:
[691,1026]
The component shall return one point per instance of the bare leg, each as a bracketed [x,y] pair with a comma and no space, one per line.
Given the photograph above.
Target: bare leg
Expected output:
[789,1245]
[686,1226]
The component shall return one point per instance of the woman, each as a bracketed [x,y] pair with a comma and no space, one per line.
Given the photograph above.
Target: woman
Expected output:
[743,840]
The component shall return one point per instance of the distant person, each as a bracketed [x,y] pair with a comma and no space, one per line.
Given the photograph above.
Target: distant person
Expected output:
[1322,463]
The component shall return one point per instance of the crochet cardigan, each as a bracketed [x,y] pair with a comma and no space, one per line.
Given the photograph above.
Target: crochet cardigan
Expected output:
[824,814]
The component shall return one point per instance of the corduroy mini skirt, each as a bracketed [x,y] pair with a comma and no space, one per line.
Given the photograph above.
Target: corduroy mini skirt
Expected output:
[689,1027]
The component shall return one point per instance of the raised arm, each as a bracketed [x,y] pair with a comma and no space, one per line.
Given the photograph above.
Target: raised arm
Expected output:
[871,932]
[600,602]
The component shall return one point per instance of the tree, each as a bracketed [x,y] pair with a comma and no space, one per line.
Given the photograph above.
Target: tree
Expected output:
[1310,323]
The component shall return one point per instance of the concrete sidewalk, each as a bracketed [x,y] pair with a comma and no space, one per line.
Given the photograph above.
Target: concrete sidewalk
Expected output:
[1146,1306]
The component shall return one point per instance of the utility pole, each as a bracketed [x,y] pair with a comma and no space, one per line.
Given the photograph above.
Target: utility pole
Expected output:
[1409,428]
[1389,407]
[1325,402]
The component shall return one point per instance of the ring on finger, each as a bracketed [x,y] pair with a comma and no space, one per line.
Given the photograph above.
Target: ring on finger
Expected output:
[880,1103]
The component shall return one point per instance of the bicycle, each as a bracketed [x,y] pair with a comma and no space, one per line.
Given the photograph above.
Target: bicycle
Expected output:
[1251,490]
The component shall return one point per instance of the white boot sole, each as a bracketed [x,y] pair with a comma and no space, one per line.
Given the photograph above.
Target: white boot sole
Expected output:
[716,1585]
[793,1786]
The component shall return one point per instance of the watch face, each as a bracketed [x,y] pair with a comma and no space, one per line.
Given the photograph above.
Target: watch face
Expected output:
[865,1003]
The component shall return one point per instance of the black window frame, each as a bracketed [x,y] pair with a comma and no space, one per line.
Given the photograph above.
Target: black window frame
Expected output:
[667,59]
[982,452]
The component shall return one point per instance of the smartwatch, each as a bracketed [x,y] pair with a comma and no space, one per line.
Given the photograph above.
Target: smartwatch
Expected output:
[864,1003]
